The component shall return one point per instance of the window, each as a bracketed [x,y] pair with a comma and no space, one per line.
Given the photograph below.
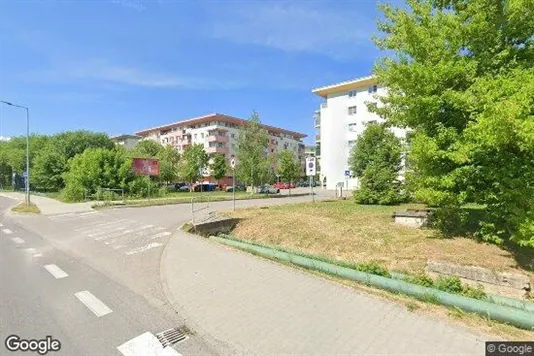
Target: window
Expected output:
[372,89]
[195,137]
[352,93]
[272,150]
[352,127]
[233,135]
[371,122]
[202,135]
[351,144]
[352,110]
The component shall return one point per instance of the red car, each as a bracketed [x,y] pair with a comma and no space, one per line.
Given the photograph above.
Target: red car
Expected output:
[281,185]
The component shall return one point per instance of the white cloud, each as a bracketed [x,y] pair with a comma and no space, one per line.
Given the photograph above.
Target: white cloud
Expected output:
[108,72]
[295,26]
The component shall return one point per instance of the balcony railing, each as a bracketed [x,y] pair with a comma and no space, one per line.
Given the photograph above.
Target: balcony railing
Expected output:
[317,137]
[317,122]
[217,138]
[217,150]
[324,105]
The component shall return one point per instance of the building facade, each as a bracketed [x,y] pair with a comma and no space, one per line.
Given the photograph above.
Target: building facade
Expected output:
[341,119]
[127,141]
[218,133]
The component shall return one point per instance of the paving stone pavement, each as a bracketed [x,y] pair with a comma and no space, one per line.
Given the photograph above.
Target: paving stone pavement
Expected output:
[261,307]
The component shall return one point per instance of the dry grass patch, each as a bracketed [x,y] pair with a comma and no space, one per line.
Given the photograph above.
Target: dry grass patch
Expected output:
[26,208]
[346,231]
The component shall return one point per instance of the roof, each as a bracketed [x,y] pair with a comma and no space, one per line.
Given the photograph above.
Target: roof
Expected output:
[217,117]
[344,86]
[123,136]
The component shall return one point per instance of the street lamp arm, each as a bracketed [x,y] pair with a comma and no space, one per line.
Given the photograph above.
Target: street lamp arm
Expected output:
[11,104]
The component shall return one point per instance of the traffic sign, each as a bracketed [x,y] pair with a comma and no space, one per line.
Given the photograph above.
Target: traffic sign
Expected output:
[232,162]
[347,173]
[25,174]
[310,166]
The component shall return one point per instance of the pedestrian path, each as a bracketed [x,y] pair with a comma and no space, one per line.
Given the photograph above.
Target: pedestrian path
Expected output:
[124,235]
[262,307]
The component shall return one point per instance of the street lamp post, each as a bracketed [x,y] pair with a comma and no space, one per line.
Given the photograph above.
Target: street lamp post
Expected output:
[27,147]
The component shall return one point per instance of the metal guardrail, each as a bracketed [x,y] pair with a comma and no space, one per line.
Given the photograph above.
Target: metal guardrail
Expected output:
[205,207]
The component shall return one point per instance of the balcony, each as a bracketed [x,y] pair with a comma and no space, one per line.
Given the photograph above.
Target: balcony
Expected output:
[317,138]
[317,123]
[324,105]
[217,138]
[223,150]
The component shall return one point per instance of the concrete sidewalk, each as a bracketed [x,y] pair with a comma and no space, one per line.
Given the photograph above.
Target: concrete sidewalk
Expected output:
[50,206]
[257,306]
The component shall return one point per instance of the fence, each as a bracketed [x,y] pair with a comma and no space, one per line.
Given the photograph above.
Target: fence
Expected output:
[105,196]
[200,209]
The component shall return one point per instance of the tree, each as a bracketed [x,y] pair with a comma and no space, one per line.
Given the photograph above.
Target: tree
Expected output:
[219,167]
[97,168]
[147,149]
[462,76]
[194,160]
[376,161]
[169,160]
[288,167]
[253,163]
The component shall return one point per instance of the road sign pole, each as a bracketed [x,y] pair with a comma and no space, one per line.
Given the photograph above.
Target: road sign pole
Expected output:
[233,186]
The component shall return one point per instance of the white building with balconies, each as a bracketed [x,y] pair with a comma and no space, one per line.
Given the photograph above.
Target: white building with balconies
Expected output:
[219,133]
[341,119]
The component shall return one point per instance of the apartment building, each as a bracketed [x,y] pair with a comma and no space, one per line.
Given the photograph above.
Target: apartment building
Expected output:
[218,133]
[127,141]
[341,119]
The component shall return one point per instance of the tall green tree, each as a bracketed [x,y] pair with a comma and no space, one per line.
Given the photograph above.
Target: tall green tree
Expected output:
[254,165]
[219,167]
[169,160]
[97,168]
[147,149]
[462,76]
[376,160]
[194,159]
[288,168]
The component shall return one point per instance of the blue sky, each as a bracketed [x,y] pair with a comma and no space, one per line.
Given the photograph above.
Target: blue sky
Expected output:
[119,66]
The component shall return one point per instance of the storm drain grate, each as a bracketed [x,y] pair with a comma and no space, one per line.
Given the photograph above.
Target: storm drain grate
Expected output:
[171,336]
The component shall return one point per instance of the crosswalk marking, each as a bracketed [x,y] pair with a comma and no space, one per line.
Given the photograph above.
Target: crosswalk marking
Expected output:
[7,231]
[144,248]
[161,234]
[17,240]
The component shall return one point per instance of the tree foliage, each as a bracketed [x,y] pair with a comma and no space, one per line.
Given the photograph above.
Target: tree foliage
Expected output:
[194,160]
[169,160]
[462,76]
[219,166]
[376,161]
[288,168]
[97,168]
[254,166]
[147,149]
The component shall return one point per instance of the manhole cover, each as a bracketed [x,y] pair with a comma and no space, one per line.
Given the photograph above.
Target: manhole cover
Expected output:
[171,336]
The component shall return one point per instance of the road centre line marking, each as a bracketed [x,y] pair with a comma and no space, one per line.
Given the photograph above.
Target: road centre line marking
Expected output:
[7,231]
[56,271]
[93,303]
[146,344]
[17,240]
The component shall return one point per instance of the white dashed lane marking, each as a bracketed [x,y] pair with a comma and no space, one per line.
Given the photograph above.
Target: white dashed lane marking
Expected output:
[1,225]
[33,252]
[7,231]
[144,248]
[146,344]
[17,240]
[56,271]
[93,303]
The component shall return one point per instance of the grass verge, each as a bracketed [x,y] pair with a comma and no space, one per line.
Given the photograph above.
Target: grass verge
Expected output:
[26,209]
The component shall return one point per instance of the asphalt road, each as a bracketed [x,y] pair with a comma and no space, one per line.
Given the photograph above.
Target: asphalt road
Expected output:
[47,292]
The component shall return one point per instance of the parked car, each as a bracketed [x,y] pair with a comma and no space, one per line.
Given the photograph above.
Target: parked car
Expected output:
[268,189]
[238,188]
[184,188]
[205,187]
[282,185]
